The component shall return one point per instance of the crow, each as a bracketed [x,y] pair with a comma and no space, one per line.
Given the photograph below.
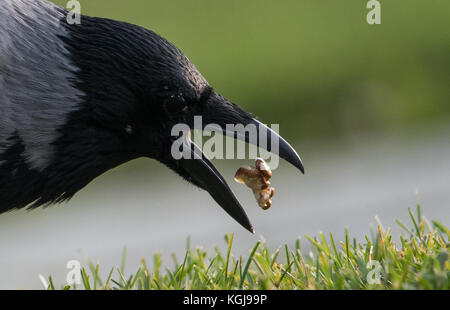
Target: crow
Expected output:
[77,100]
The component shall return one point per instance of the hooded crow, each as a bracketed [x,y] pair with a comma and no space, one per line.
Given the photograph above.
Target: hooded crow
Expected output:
[78,100]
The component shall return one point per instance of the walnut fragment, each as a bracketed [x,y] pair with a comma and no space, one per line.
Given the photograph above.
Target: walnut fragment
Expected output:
[257,178]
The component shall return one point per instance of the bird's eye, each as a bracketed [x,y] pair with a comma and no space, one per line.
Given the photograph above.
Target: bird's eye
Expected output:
[175,104]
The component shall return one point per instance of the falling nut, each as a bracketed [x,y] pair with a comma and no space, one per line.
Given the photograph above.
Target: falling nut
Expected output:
[257,178]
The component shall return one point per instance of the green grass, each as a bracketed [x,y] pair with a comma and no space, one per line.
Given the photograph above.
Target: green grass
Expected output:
[420,260]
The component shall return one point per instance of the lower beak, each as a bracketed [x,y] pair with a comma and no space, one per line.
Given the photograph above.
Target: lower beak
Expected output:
[204,174]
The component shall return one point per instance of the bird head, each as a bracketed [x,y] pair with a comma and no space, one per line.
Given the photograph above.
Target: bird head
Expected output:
[136,86]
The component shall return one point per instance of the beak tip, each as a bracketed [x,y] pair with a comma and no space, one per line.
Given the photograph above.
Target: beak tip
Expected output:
[299,164]
[248,226]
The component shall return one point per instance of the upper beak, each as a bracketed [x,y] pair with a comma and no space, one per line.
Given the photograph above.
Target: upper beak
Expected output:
[264,138]
[204,174]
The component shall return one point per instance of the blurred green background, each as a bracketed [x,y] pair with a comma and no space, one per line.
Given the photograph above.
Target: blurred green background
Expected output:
[315,67]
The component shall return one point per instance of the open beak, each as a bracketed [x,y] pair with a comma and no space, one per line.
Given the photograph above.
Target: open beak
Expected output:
[203,173]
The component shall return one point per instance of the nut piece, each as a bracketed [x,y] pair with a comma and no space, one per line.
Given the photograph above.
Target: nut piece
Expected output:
[257,178]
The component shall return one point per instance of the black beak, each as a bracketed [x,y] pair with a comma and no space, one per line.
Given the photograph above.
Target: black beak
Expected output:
[200,171]
[269,140]
[203,173]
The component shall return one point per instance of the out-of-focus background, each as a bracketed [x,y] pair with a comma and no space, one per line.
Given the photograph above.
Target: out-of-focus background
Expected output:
[366,106]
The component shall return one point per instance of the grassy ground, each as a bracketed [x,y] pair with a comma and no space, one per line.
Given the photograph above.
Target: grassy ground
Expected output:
[420,260]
